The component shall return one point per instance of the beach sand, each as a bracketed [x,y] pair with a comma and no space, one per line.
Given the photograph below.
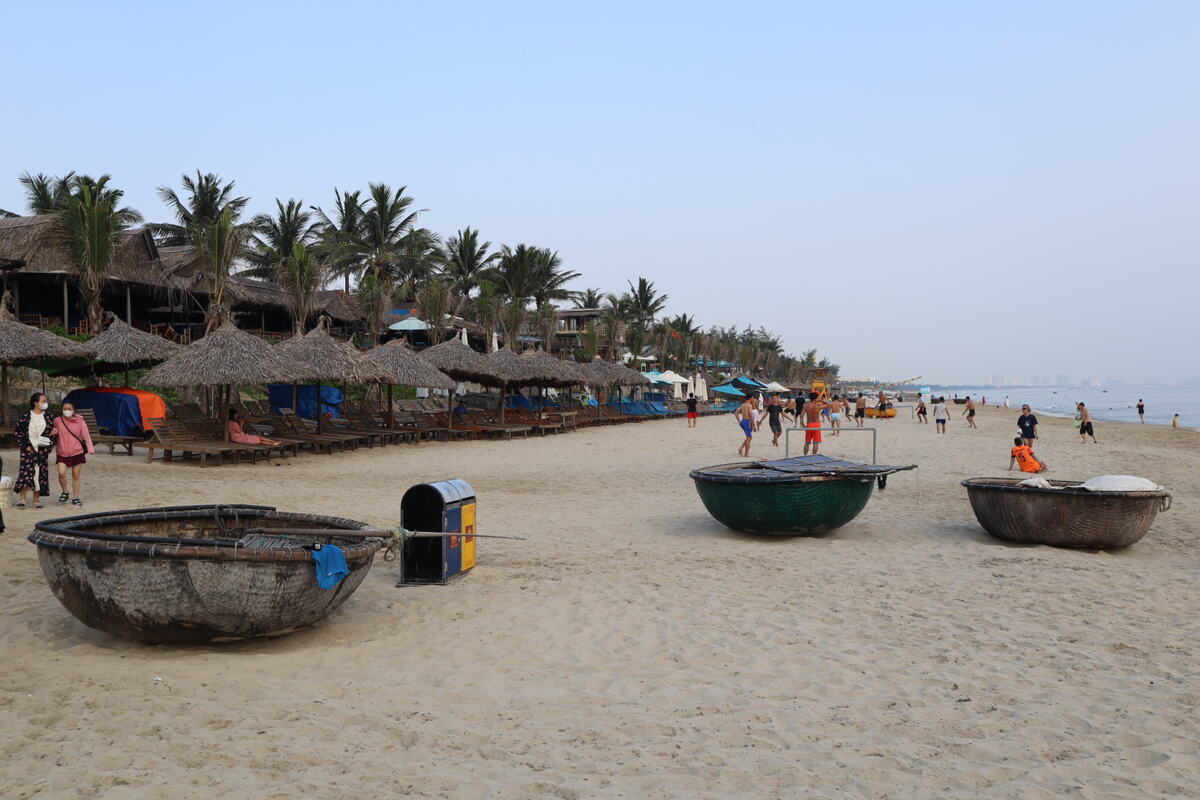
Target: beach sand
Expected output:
[632,647]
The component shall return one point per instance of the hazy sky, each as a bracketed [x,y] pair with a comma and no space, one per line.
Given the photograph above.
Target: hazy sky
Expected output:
[943,189]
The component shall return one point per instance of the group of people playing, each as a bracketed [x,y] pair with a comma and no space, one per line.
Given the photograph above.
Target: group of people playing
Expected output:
[40,431]
[807,413]
[941,413]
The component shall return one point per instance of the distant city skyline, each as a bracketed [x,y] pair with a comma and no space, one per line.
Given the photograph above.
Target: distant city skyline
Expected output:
[951,190]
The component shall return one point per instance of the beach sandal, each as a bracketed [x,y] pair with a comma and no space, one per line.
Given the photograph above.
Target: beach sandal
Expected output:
[76,502]
[38,505]
[18,505]
[64,497]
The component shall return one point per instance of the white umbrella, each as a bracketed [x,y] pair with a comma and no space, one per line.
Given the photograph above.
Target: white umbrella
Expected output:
[464,337]
[495,342]
[410,324]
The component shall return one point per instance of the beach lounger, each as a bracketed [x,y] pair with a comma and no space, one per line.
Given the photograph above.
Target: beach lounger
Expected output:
[170,437]
[112,440]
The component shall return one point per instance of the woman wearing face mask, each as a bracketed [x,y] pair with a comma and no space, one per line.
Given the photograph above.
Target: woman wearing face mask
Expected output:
[74,443]
[35,438]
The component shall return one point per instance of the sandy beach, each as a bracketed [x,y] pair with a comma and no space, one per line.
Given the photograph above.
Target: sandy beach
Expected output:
[632,647]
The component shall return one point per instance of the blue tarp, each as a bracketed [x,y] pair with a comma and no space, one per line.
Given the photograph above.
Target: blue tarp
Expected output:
[119,413]
[280,396]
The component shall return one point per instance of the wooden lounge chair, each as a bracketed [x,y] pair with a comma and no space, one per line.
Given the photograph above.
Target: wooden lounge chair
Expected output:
[172,437]
[212,430]
[301,429]
[112,440]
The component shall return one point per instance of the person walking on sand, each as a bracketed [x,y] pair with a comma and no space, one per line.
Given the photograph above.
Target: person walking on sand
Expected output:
[775,418]
[1028,423]
[1023,454]
[693,412]
[940,415]
[1141,407]
[1085,424]
[74,444]
[922,412]
[745,415]
[1006,401]
[35,438]
[812,416]
[969,411]
[860,410]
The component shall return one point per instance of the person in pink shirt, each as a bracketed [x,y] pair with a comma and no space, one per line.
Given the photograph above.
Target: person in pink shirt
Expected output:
[237,434]
[74,443]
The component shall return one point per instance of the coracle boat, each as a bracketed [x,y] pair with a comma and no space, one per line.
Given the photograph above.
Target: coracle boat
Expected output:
[197,573]
[802,496]
[1065,516]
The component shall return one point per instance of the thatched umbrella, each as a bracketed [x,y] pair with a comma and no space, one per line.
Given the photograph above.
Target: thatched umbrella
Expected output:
[517,371]
[320,357]
[225,357]
[19,342]
[130,347]
[462,363]
[407,368]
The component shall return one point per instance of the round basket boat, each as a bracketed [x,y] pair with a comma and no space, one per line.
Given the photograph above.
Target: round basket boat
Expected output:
[802,496]
[1065,516]
[192,574]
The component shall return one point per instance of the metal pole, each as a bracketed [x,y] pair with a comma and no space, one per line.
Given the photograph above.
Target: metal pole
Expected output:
[787,439]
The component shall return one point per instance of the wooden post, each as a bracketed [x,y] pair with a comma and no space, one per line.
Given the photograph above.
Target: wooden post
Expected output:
[503,399]
[4,392]
[17,296]
[128,314]
[66,306]
[319,414]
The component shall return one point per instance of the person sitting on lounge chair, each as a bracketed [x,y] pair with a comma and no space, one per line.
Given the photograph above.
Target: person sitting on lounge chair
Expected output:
[237,434]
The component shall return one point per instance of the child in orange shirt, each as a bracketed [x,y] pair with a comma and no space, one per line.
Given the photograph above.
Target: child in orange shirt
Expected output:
[1023,454]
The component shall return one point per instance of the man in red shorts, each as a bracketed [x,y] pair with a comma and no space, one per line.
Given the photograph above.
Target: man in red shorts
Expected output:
[812,419]
[693,413]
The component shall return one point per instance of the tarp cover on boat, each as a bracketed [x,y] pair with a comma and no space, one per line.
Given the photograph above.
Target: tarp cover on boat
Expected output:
[790,469]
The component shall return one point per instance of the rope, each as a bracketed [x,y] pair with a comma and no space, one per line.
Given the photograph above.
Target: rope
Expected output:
[396,537]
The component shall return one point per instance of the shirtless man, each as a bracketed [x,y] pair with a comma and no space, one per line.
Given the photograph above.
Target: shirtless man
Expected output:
[860,410]
[812,419]
[1085,424]
[969,412]
[745,417]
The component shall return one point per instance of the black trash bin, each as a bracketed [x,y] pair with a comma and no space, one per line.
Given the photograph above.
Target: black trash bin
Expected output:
[447,507]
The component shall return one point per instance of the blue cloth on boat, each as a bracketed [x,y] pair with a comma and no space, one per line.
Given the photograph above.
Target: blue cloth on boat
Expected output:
[331,565]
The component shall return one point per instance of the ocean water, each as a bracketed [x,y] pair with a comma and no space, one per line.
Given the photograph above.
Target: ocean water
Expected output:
[1118,404]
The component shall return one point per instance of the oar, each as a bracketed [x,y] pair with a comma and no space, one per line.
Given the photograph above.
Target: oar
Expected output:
[369,534]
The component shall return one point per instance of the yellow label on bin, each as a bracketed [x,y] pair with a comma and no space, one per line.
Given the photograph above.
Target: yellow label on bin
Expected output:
[468,541]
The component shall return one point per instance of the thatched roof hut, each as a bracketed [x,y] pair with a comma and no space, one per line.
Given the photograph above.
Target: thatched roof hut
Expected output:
[320,357]
[19,342]
[604,373]
[559,373]
[35,242]
[122,344]
[462,363]
[408,368]
[518,371]
[227,356]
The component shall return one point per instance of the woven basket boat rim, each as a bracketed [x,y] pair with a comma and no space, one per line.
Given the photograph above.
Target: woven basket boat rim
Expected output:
[1069,488]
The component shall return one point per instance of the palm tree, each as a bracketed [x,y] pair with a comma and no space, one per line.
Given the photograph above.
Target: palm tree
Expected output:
[466,262]
[384,243]
[434,298]
[90,226]
[221,243]
[487,306]
[300,276]
[547,280]
[589,298]
[47,195]
[612,318]
[205,199]
[420,259]
[645,303]
[370,295]
[545,322]
[274,238]
[338,233]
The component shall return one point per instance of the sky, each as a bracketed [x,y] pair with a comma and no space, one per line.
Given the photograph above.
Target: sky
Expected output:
[952,190]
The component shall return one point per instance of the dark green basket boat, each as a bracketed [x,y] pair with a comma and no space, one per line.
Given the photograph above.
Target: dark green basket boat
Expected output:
[802,496]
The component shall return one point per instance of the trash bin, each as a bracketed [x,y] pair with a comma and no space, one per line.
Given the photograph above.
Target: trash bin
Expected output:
[441,507]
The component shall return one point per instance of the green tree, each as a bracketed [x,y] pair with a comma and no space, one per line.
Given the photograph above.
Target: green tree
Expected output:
[434,299]
[588,298]
[466,262]
[90,226]
[204,200]
[300,276]
[487,306]
[274,238]
[47,195]
[221,244]
[338,235]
